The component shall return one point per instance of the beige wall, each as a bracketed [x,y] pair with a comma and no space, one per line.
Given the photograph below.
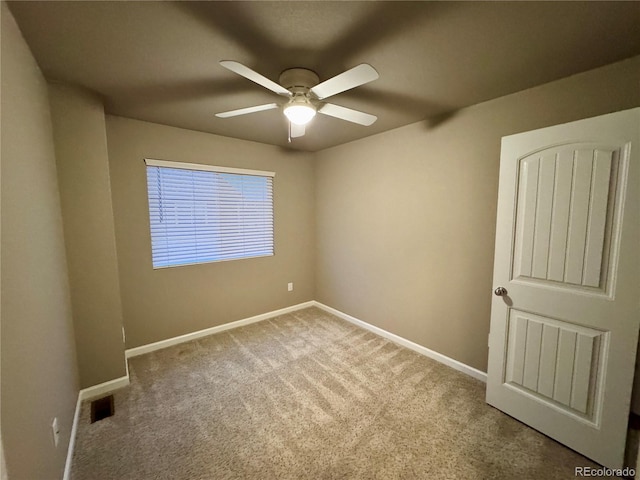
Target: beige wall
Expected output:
[160,304]
[39,379]
[85,191]
[406,219]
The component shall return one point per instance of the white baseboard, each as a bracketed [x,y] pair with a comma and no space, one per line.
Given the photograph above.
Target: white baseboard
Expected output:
[103,388]
[72,440]
[134,352]
[450,362]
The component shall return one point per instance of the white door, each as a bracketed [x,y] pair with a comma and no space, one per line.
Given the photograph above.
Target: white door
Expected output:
[564,330]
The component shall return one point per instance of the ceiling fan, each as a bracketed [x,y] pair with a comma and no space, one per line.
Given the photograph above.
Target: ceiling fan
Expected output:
[305,94]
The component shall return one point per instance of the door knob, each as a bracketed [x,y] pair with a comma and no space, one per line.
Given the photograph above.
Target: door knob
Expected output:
[500,291]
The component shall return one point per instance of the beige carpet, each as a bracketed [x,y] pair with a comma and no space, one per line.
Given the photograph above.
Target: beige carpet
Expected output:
[307,396]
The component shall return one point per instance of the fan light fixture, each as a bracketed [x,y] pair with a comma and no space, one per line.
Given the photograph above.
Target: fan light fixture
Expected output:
[306,94]
[299,113]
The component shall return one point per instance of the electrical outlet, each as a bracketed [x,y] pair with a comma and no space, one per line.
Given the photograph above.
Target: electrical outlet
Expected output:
[56,431]
[290,286]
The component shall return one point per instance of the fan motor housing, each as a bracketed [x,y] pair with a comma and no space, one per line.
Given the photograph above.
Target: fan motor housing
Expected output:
[295,78]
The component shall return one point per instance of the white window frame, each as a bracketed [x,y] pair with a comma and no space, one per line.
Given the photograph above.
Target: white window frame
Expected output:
[150,162]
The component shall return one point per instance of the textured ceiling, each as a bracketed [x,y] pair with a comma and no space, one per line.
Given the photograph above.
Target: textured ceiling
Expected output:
[158,61]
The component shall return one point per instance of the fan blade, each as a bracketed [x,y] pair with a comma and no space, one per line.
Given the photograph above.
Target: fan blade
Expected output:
[244,111]
[347,114]
[363,73]
[246,72]
[297,130]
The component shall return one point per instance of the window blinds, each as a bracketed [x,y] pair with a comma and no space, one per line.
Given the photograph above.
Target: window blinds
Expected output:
[200,213]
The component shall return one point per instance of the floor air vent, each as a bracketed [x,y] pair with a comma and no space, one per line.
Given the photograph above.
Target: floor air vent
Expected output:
[101,408]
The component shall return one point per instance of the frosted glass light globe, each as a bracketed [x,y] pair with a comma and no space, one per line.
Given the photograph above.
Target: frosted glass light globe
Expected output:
[299,114]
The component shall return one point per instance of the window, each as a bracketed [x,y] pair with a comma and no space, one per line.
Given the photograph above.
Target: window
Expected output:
[200,213]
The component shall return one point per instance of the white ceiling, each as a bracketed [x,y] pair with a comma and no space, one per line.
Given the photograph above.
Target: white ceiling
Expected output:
[158,61]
